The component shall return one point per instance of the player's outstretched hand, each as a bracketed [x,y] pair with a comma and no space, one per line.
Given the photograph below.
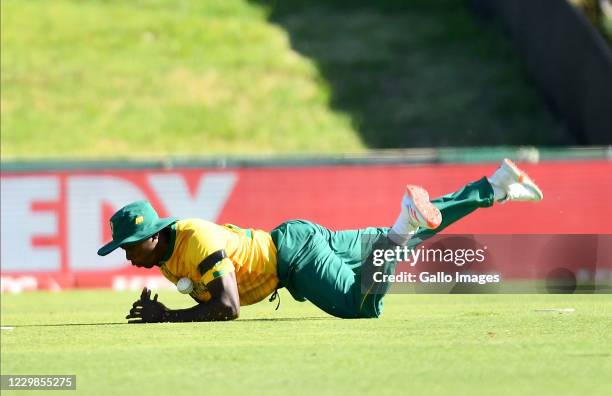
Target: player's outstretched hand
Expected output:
[147,310]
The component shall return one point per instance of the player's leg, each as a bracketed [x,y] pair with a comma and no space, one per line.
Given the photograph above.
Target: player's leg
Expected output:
[419,219]
[456,205]
[327,267]
[334,270]
[358,247]
[508,183]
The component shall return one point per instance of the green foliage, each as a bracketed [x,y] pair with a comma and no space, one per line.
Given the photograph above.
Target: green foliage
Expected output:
[423,344]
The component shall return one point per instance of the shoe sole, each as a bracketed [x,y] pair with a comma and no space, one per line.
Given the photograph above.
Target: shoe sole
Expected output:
[522,177]
[425,210]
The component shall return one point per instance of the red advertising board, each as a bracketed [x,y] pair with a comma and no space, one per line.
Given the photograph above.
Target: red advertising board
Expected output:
[54,222]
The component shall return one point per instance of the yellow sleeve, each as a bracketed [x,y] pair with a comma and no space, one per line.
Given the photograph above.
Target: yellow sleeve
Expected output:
[222,267]
[201,245]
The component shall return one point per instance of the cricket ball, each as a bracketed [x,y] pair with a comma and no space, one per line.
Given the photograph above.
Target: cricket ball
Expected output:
[184,285]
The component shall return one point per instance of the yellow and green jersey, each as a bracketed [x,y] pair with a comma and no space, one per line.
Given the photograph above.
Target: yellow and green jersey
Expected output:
[251,254]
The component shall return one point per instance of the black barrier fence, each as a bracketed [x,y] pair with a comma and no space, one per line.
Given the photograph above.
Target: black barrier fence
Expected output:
[567,58]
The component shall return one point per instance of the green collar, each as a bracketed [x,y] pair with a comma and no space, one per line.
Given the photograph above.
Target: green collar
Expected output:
[171,243]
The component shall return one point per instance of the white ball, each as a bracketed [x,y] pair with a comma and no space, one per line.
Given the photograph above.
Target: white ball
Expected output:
[184,285]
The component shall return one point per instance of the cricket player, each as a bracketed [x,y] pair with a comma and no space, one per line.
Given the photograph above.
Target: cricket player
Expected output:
[230,266]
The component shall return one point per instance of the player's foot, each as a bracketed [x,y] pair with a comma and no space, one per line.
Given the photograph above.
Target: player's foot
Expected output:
[422,213]
[512,184]
[416,212]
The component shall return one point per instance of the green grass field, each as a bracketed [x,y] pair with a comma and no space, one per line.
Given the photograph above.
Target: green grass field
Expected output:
[423,344]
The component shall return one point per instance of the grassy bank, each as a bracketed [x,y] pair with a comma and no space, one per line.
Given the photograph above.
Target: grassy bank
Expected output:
[151,77]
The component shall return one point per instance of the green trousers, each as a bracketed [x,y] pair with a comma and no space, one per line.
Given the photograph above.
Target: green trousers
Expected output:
[326,267]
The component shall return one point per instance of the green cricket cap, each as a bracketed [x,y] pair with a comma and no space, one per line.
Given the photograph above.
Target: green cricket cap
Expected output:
[133,223]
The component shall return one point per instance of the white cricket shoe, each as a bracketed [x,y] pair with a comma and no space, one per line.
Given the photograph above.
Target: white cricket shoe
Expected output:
[515,183]
[421,212]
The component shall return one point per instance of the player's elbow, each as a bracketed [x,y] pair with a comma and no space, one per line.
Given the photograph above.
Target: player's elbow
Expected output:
[234,312]
[230,308]
[230,312]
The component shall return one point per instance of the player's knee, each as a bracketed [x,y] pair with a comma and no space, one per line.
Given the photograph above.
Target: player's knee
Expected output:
[371,307]
[369,315]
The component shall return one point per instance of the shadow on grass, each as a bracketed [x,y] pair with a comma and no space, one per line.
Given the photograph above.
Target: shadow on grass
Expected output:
[125,323]
[287,319]
[417,73]
[66,324]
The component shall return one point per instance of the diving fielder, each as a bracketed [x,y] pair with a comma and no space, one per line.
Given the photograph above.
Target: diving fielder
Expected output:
[230,266]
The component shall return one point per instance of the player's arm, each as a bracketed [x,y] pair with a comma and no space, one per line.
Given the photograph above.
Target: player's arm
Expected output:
[224,304]
[218,277]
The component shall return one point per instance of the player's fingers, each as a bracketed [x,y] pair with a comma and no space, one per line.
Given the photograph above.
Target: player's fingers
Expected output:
[136,311]
[143,294]
[148,295]
[133,315]
[155,298]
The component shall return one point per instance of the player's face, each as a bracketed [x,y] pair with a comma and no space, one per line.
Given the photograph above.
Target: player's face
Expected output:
[142,254]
